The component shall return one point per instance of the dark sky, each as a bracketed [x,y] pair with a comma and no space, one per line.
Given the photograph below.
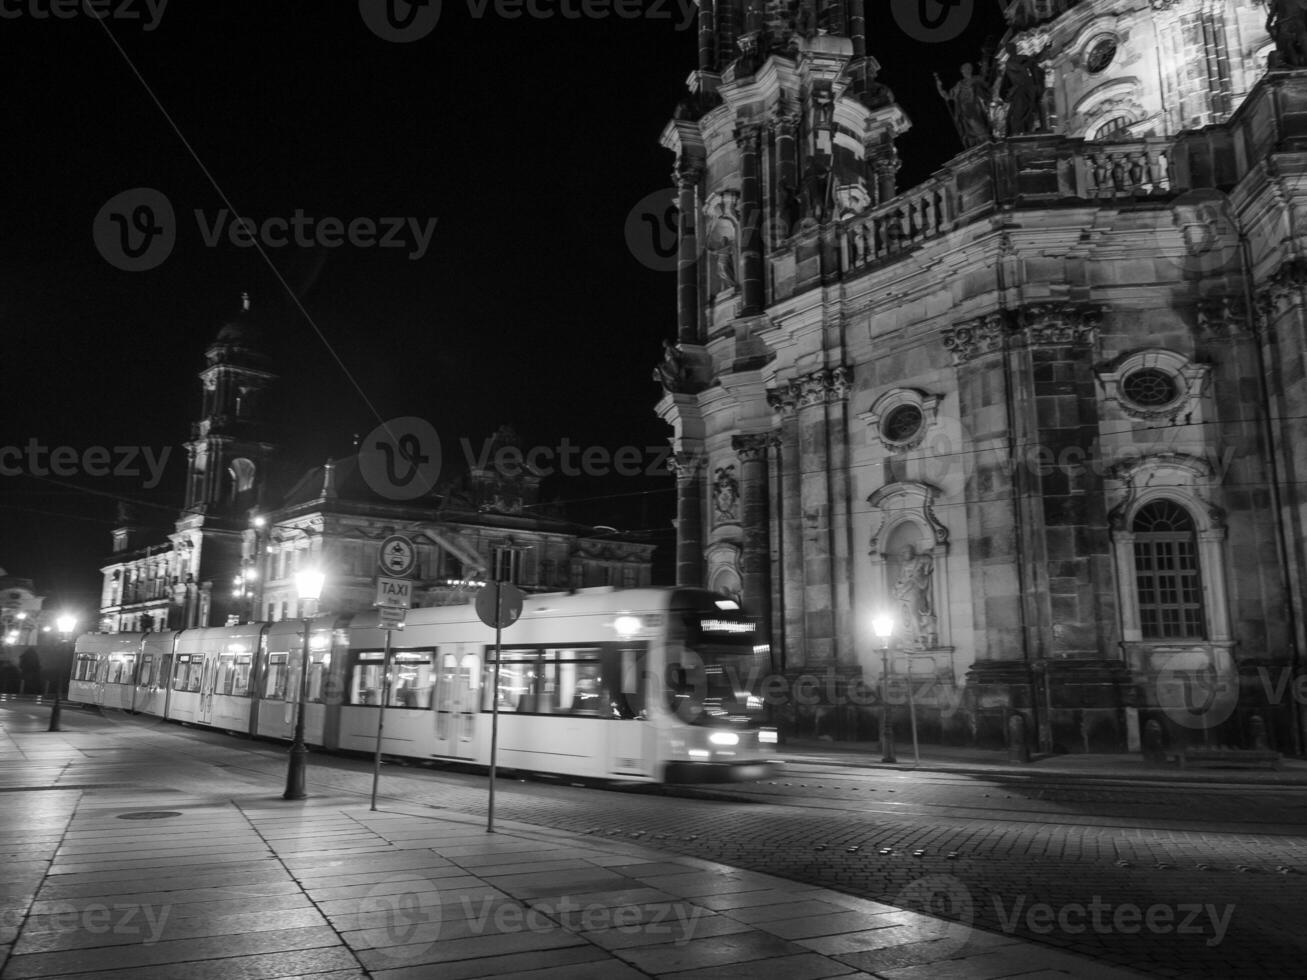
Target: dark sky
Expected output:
[529,141]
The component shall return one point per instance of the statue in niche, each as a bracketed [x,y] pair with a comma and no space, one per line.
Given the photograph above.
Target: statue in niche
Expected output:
[725,495]
[913,591]
[725,256]
[874,94]
[673,371]
[967,101]
[815,193]
[1286,21]
[1022,88]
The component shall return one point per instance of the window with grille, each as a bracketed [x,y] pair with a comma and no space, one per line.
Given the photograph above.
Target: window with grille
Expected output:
[1166,573]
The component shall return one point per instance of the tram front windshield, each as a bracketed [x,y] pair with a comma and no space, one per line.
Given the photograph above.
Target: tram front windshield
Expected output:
[716,676]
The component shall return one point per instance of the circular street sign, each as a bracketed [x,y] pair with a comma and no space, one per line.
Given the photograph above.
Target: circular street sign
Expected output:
[397,557]
[502,598]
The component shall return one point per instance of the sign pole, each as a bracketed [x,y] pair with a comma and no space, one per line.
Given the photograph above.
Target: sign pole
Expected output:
[494,706]
[381,717]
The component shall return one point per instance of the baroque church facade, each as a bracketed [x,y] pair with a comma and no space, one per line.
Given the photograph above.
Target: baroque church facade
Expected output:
[1048,408]
[238,542]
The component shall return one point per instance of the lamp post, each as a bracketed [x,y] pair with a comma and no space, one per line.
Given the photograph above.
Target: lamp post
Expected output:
[66,623]
[883,627]
[308,583]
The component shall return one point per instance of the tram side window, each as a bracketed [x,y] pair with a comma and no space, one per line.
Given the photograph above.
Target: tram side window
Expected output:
[84,669]
[120,668]
[319,663]
[240,676]
[181,678]
[274,685]
[412,679]
[147,671]
[624,678]
[556,681]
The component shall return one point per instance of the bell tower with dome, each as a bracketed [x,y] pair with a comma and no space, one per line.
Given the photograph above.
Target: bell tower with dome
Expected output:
[228,451]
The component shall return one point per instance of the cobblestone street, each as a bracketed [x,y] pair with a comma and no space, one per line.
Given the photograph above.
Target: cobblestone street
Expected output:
[1177,879]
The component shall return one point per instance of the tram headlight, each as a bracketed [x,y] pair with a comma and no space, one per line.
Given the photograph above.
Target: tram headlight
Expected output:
[699,753]
[766,736]
[627,625]
[724,738]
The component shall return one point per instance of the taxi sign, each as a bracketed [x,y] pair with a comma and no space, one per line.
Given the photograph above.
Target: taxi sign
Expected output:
[396,592]
[398,556]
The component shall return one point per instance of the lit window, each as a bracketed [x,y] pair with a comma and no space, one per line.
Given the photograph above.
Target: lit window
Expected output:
[1168,588]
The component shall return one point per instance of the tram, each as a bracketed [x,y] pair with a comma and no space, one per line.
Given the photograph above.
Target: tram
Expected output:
[632,685]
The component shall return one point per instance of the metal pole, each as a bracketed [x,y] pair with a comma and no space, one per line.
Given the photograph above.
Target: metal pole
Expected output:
[494,707]
[886,723]
[299,753]
[381,717]
[56,709]
[912,713]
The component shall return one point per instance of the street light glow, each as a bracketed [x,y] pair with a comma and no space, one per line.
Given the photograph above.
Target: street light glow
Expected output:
[883,626]
[308,583]
[66,623]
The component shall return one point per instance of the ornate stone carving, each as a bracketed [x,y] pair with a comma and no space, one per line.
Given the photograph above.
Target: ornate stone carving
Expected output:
[1222,317]
[725,496]
[817,388]
[751,447]
[913,499]
[1058,324]
[686,465]
[975,338]
[914,591]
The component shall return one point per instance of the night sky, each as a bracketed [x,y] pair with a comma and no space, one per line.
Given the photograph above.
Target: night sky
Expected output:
[529,141]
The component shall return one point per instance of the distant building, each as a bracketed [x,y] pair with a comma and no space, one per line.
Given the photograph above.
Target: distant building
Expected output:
[1046,407]
[235,547]
[21,614]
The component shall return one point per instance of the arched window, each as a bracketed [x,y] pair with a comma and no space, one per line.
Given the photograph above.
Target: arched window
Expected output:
[1166,572]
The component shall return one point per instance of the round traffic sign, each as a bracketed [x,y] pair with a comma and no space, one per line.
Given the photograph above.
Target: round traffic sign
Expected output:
[499,604]
[398,556]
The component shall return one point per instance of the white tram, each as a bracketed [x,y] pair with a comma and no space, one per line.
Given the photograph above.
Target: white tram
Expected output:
[640,684]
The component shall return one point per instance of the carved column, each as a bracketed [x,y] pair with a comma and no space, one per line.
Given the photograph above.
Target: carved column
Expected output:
[783,401]
[778,506]
[689,518]
[785,190]
[728,31]
[755,562]
[858,28]
[707,29]
[749,139]
[688,174]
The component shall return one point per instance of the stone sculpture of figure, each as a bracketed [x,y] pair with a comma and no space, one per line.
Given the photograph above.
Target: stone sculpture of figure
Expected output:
[726,491]
[966,102]
[672,371]
[1286,21]
[913,591]
[1022,88]
[726,264]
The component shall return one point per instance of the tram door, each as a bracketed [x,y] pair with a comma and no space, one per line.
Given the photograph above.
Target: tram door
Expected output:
[207,683]
[455,703]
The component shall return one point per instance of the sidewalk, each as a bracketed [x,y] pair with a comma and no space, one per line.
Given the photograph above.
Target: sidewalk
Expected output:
[123,861]
[1132,766]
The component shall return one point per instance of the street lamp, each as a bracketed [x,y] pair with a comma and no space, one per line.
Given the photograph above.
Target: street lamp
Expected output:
[308,583]
[883,626]
[66,623]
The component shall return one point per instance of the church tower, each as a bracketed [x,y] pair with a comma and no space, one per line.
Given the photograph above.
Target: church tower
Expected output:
[228,457]
[1043,409]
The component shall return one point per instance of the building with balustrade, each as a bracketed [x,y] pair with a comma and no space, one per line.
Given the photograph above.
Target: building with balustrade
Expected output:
[1047,409]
